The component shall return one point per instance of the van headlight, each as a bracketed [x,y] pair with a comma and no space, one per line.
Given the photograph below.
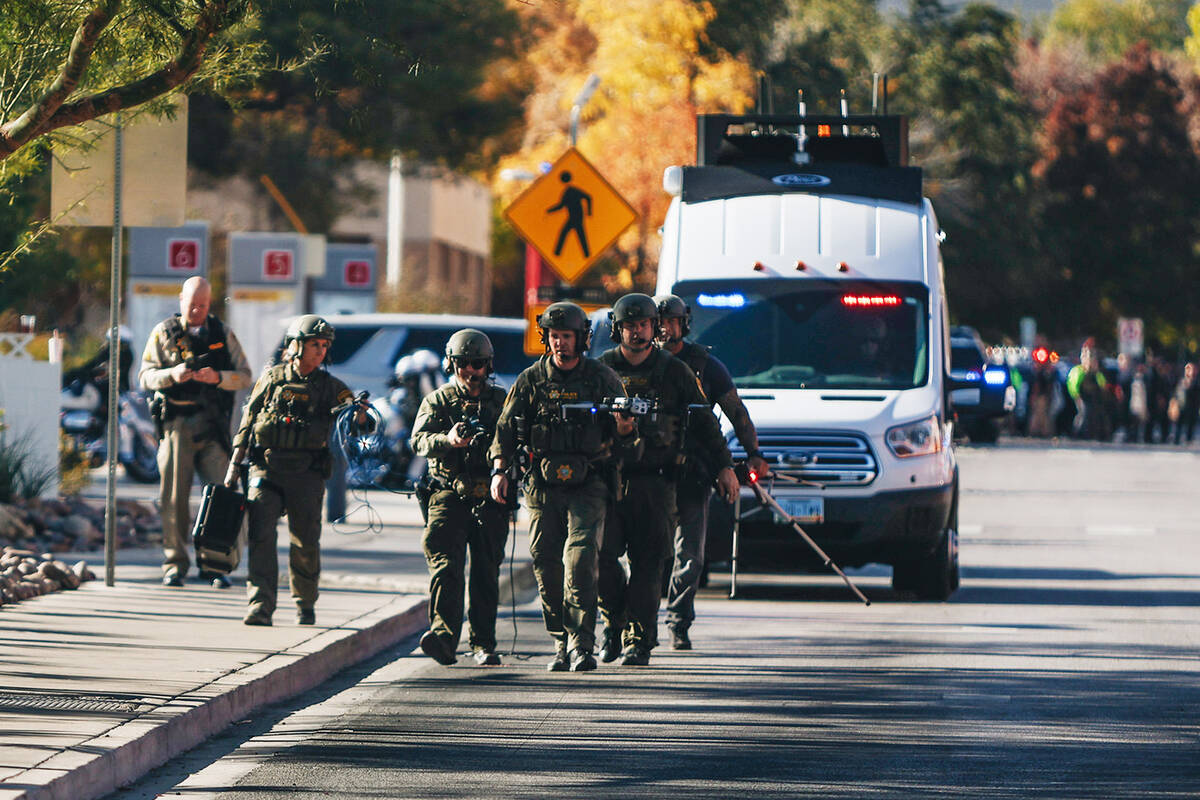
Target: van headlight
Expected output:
[916,438]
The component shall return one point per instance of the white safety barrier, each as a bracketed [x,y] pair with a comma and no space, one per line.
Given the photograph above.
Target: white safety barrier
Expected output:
[29,395]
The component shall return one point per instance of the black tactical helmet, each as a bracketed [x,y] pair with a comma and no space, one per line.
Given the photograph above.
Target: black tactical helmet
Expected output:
[566,316]
[631,308]
[309,326]
[672,305]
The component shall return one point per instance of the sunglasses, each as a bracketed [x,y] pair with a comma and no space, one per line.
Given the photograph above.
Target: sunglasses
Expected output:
[474,363]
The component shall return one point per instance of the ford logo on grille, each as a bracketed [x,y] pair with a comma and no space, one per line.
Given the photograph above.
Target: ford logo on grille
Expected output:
[796,458]
[801,179]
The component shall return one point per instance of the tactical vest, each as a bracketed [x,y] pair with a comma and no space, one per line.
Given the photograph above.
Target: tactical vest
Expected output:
[470,463]
[659,429]
[296,413]
[209,351]
[581,434]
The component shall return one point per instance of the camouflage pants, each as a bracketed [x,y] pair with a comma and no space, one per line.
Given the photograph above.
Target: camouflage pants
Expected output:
[455,527]
[564,530]
[271,494]
[640,526]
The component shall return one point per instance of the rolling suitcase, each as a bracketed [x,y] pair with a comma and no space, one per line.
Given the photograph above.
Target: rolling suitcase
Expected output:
[218,523]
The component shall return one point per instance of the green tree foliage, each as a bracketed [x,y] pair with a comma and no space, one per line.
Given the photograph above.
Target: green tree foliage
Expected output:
[824,46]
[410,75]
[1192,43]
[1120,186]
[1108,28]
[973,135]
[63,62]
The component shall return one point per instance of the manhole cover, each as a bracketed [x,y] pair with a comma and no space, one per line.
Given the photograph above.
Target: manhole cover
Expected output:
[33,701]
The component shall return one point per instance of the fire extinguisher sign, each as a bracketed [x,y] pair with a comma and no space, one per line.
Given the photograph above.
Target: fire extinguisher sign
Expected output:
[278,265]
[183,255]
[356,273]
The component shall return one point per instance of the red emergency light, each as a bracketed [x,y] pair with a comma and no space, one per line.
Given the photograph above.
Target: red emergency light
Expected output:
[870,300]
[824,131]
[1041,355]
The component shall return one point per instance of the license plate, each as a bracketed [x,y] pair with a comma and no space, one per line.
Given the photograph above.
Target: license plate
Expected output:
[805,509]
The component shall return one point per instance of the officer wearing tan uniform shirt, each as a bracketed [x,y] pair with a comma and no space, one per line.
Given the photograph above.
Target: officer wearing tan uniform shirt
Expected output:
[194,365]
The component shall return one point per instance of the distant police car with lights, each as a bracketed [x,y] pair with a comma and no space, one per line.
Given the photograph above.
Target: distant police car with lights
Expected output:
[985,393]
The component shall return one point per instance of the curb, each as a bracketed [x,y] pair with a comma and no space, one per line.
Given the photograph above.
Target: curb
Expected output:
[121,756]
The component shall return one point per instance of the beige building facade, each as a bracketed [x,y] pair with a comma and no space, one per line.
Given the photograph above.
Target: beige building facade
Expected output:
[445,264]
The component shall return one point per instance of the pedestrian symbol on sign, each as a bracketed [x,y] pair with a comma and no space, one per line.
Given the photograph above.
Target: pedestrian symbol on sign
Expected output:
[573,200]
[570,215]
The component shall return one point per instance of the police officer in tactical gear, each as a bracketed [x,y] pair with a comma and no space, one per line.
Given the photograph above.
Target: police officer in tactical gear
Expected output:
[694,485]
[570,453]
[285,435]
[453,429]
[641,522]
[194,365]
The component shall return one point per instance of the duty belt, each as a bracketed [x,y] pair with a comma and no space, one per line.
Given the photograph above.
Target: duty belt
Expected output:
[183,409]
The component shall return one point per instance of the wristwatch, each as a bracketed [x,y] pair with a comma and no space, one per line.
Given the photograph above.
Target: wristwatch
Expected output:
[756,453]
[499,471]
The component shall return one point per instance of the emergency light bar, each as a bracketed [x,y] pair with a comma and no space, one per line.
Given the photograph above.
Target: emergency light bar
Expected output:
[721,300]
[870,300]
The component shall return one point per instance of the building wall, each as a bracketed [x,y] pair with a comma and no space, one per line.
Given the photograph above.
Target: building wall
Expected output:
[447,231]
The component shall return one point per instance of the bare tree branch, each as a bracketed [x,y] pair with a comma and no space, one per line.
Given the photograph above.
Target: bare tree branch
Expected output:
[32,122]
[51,112]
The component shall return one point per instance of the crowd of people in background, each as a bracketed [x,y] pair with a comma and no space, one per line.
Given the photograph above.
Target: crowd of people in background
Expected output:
[1145,400]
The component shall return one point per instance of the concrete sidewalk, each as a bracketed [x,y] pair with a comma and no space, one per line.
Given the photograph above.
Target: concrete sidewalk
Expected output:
[102,684]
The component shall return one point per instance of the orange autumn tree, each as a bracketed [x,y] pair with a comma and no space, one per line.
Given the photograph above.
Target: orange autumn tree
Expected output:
[657,70]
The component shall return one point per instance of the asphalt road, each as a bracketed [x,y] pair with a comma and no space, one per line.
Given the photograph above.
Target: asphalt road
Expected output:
[1068,665]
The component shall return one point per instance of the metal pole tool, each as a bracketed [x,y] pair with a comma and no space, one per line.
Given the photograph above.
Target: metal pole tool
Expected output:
[748,478]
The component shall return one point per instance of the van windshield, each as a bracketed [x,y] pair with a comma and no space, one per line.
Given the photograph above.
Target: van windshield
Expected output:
[775,334]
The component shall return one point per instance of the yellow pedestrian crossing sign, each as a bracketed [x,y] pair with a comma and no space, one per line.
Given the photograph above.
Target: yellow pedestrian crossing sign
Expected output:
[570,215]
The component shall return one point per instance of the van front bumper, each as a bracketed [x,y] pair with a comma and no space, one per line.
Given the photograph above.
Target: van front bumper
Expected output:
[886,528]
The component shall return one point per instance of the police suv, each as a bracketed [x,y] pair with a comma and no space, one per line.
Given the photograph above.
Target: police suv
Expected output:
[810,261]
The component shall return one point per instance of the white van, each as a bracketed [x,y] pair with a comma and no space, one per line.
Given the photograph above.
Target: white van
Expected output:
[810,261]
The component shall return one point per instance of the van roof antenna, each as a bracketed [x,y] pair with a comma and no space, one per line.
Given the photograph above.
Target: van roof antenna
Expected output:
[800,156]
[875,93]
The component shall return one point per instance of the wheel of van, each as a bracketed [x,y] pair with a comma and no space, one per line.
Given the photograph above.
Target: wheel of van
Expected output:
[936,576]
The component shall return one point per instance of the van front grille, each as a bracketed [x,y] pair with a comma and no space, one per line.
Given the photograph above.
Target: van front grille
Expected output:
[826,458]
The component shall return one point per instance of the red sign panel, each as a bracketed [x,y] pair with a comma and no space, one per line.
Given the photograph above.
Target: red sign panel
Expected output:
[357,273]
[183,255]
[278,265]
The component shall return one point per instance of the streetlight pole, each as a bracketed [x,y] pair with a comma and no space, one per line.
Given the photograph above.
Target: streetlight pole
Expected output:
[585,94]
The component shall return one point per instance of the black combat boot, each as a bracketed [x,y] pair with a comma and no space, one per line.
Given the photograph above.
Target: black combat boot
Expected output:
[610,651]
[582,660]
[438,648]
[680,640]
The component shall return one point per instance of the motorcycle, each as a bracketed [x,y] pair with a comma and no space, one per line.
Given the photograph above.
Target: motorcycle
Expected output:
[83,420]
